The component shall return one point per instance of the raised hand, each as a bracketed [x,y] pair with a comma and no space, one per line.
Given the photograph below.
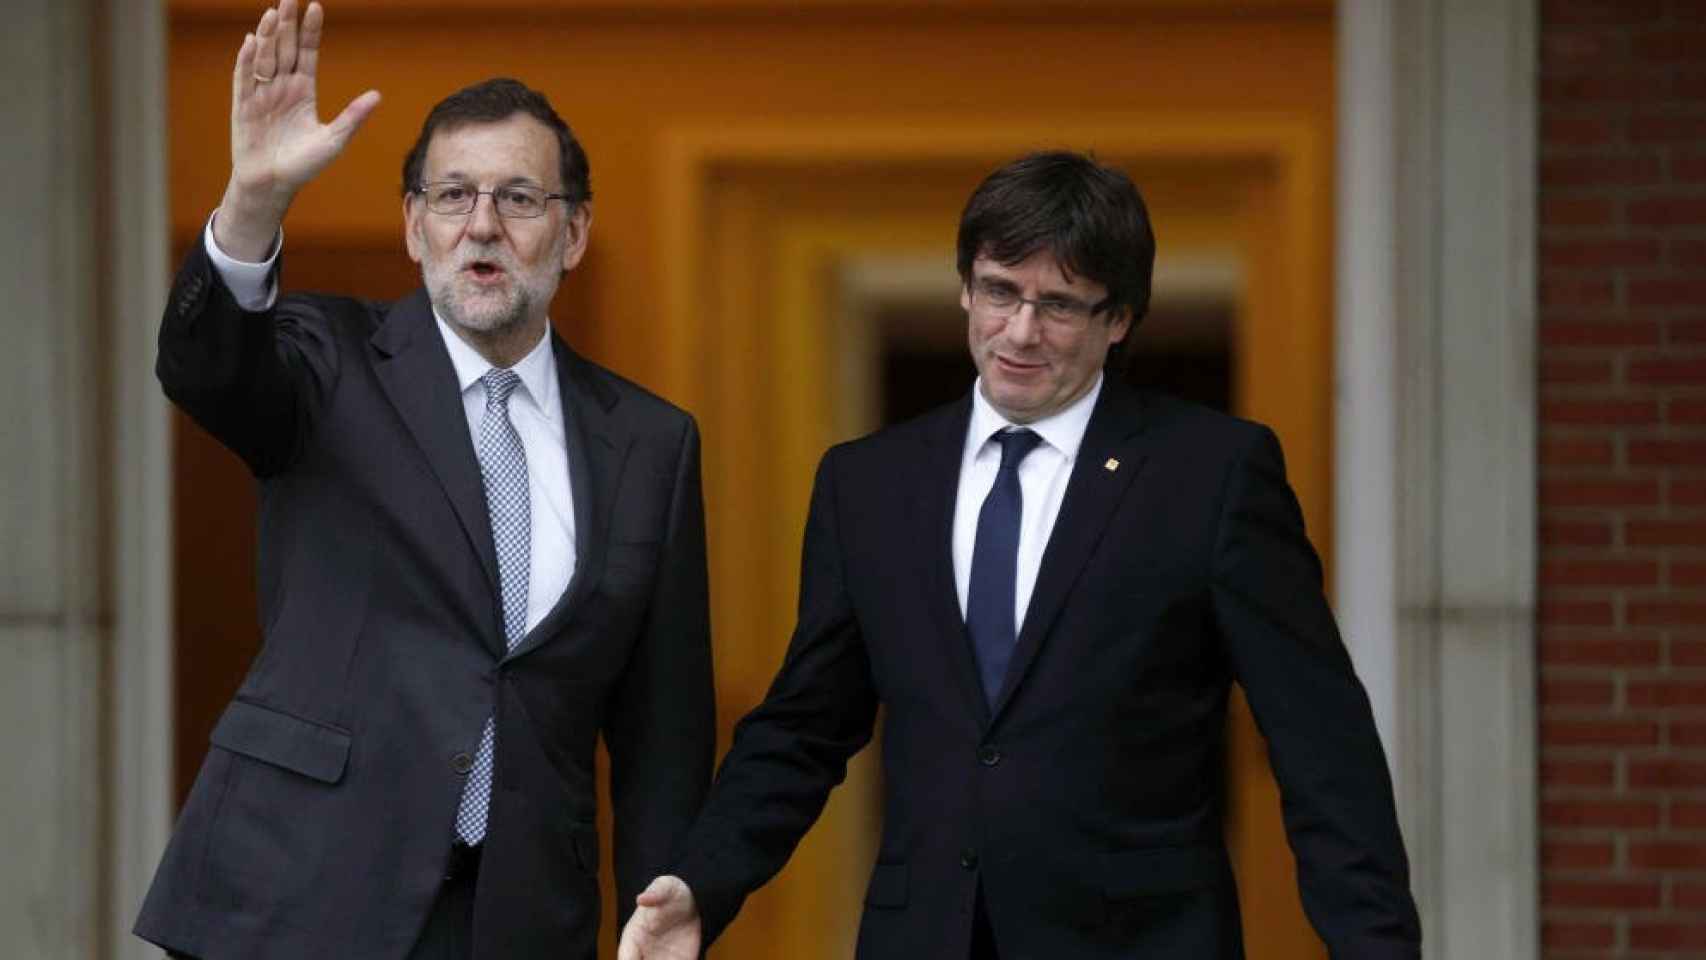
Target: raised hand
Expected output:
[278,143]
[665,925]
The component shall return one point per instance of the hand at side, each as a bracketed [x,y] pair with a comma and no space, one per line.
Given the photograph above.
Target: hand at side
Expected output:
[665,925]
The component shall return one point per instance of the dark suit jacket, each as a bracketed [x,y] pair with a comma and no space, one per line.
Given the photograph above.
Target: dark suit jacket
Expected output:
[320,823]
[1088,804]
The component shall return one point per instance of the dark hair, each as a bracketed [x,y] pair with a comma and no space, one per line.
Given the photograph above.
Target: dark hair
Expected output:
[1089,216]
[490,101]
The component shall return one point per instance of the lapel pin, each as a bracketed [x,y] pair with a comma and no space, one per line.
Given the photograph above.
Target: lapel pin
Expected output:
[1111,465]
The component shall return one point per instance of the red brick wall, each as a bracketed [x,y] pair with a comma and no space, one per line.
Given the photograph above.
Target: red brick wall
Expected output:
[1623,478]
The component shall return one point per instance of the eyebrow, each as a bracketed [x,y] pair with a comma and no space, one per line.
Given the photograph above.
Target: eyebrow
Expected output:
[461,177]
[1053,295]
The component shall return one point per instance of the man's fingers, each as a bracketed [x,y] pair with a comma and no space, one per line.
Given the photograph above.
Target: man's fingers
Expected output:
[286,37]
[661,892]
[665,925]
[655,894]
[628,949]
[266,45]
[308,41]
[243,74]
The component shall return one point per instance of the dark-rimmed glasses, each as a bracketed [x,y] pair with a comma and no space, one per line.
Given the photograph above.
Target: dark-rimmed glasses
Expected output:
[1001,301]
[515,201]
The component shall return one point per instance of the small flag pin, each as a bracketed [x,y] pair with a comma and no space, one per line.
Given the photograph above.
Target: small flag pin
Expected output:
[1111,465]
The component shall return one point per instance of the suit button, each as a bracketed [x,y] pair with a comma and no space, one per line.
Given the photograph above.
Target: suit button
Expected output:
[988,755]
[968,858]
[462,763]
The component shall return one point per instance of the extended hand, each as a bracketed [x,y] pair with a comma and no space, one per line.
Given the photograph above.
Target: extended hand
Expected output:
[278,143]
[665,926]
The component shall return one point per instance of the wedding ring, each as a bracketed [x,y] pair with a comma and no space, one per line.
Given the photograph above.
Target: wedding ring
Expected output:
[261,79]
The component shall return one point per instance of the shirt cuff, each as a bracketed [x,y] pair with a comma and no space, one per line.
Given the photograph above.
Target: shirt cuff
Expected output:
[253,285]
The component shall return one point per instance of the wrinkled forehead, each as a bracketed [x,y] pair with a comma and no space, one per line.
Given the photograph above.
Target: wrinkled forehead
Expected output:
[517,148]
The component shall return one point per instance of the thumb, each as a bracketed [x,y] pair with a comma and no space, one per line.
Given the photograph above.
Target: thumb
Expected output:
[659,892]
[345,124]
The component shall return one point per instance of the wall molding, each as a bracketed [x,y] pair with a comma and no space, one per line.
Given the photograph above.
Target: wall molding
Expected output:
[1053,11]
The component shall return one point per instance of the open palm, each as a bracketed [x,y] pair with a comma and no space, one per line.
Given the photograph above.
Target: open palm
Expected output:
[278,143]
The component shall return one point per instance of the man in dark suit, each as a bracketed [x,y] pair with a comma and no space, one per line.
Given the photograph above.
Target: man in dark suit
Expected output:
[478,552]
[1050,587]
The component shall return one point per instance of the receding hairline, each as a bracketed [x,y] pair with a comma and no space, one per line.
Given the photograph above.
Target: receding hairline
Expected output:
[465,123]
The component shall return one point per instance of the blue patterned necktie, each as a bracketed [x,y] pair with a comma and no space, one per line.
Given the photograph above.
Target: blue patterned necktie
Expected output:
[503,466]
[991,597]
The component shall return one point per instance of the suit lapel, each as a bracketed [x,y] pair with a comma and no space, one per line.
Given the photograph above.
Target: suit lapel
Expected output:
[1092,494]
[938,482]
[415,372]
[597,451]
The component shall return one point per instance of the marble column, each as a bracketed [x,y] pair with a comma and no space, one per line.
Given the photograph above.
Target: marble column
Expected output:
[83,492]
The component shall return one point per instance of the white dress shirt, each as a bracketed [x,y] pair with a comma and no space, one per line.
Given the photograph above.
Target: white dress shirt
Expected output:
[535,408]
[1042,483]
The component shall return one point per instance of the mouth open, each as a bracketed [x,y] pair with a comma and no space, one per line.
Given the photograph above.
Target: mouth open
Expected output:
[484,271]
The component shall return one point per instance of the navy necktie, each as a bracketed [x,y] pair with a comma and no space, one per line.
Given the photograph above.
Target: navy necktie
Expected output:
[990,599]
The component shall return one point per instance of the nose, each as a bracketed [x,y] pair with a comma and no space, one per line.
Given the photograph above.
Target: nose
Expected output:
[483,221]
[1024,326]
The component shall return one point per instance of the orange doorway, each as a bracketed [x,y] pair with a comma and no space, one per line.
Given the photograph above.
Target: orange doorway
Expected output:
[759,167]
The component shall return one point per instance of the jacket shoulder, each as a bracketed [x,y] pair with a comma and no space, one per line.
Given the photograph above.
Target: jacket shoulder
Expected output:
[903,440]
[637,404]
[1185,424]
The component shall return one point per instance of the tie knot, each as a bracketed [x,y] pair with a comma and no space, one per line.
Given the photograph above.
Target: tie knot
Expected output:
[499,384]
[1015,446]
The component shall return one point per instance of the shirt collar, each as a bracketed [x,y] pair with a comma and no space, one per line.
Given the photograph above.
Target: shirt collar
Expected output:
[1063,431]
[535,369]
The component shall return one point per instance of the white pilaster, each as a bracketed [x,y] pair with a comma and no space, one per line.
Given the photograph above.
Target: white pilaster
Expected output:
[1436,427]
[51,603]
[85,658]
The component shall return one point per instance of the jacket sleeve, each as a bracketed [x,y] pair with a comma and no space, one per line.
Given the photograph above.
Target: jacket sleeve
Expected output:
[254,380]
[792,749]
[1285,650]
[661,725]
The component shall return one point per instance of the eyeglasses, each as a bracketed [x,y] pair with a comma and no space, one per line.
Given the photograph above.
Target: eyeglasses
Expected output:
[1002,302]
[516,201]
